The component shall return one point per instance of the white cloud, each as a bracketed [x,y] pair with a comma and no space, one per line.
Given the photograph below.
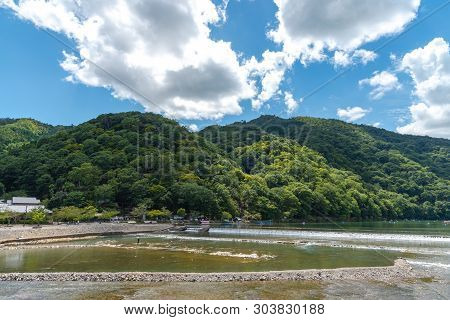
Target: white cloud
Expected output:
[364,56]
[382,82]
[352,113]
[222,10]
[343,59]
[376,124]
[290,102]
[160,49]
[193,127]
[271,72]
[428,120]
[429,67]
[307,30]
[338,24]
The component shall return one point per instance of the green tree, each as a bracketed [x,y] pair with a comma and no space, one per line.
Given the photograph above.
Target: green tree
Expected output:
[140,212]
[38,216]
[226,216]
[181,212]
[85,176]
[195,198]
[75,214]
[162,214]
[107,215]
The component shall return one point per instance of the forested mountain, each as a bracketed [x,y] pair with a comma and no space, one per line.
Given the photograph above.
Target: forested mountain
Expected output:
[414,168]
[344,145]
[14,133]
[269,168]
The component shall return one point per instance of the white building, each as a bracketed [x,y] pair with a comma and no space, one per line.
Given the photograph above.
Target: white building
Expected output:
[21,205]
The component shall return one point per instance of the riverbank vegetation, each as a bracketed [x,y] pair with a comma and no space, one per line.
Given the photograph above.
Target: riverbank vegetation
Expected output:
[65,214]
[36,216]
[269,168]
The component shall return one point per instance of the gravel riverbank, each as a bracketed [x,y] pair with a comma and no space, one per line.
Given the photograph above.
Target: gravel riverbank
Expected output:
[18,233]
[400,270]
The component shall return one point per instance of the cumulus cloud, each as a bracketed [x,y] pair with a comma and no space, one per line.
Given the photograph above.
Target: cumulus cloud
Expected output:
[344,59]
[156,52]
[193,127]
[338,24]
[270,70]
[352,113]
[381,82]
[428,120]
[290,102]
[307,30]
[364,56]
[429,68]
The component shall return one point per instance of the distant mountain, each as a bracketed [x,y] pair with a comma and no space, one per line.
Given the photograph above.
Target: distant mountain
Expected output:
[268,168]
[14,133]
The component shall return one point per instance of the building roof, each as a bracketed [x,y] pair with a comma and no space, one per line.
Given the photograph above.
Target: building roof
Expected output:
[22,200]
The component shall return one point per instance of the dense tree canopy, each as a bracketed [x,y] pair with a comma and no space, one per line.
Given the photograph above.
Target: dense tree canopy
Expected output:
[14,133]
[413,171]
[270,168]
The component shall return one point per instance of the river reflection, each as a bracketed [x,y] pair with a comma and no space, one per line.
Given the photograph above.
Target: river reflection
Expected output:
[13,261]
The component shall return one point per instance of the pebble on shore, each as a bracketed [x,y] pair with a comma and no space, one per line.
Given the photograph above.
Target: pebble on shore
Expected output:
[400,270]
[28,233]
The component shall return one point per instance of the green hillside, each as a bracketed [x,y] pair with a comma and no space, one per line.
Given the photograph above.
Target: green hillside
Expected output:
[343,144]
[415,168]
[269,168]
[14,133]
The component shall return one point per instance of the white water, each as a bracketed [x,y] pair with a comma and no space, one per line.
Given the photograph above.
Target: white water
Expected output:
[326,243]
[330,235]
[429,264]
[416,250]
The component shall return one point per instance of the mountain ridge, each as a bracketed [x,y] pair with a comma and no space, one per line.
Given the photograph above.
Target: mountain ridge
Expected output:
[267,168]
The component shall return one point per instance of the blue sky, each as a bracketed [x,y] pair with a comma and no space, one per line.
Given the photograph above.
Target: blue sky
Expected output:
[34,83]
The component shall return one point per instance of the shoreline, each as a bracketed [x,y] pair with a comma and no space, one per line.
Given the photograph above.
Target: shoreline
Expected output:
[400,270]
[26,234]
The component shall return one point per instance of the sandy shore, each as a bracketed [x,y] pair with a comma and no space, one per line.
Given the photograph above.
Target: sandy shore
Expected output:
[400,270]
[28,233]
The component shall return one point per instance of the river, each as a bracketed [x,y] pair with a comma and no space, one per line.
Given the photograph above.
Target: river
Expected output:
[425,245]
